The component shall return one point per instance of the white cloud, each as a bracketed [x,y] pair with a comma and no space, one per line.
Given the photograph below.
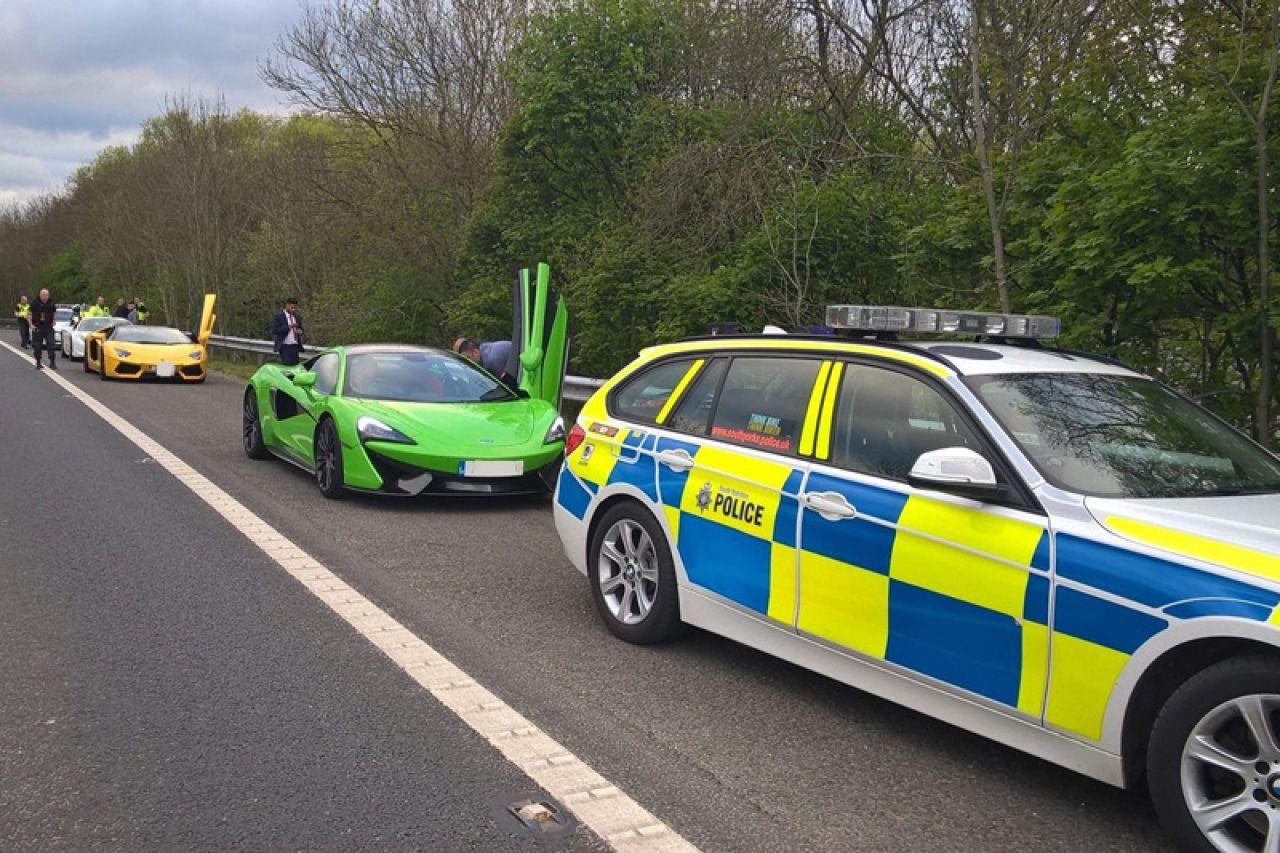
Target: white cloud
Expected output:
[79,75]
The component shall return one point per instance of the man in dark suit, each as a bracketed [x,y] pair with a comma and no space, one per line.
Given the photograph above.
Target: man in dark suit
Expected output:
[43,315]
[286,327]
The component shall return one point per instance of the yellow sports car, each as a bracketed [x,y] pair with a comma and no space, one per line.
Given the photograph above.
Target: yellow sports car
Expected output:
[151,352]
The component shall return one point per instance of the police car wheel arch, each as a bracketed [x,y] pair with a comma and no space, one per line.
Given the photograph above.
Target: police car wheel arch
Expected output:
[628,556]
[1214,761]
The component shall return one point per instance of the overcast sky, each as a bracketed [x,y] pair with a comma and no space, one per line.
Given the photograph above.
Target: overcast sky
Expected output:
[78,75]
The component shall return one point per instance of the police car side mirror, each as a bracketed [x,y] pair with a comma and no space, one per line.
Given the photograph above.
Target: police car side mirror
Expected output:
[957,470]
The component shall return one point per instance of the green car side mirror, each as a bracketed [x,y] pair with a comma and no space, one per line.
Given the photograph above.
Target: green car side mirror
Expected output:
[305,379]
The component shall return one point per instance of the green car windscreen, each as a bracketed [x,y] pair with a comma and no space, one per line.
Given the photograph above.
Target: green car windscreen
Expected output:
[539,335]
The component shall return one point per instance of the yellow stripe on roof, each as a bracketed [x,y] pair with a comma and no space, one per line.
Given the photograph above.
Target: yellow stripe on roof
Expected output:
[831,347]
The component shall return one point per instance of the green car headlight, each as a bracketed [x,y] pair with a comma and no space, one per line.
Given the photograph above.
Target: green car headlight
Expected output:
[555,433]
[373,429]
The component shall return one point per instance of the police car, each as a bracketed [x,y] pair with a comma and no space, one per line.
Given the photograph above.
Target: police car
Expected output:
[1039,545]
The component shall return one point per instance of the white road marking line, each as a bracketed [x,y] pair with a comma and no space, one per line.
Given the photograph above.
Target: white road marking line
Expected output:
[597,803]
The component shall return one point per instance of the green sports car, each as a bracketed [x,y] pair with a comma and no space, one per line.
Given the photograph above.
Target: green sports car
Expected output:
[408,420]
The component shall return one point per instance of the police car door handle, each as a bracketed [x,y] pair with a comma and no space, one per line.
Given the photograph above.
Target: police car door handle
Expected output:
[832,506]
[676,460]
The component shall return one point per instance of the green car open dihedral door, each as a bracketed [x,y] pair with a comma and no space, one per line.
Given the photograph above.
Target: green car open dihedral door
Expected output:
[539,336]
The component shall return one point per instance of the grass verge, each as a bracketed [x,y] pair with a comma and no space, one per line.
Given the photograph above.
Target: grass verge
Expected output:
[243,369]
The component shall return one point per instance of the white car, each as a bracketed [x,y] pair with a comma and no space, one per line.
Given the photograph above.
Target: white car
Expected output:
[1038,545]
[64,319]
[73,341]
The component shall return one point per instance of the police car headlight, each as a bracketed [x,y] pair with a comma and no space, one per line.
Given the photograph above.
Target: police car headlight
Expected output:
[121,352]
[372,428]
[555,433]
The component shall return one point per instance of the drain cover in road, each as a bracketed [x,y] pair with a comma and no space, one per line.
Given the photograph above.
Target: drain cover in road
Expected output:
[538,816]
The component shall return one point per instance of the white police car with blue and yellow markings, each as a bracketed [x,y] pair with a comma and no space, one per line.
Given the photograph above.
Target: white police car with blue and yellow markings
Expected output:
[1041,546]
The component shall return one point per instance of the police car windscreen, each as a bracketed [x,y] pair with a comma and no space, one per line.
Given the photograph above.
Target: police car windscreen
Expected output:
[62,315]
[1125,436]
[420,377]
[148,335]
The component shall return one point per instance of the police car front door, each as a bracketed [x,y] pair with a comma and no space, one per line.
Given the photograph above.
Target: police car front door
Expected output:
[730,476]
[949,588]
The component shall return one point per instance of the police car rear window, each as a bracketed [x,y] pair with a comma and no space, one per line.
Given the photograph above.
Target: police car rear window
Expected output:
[642,397]
[763,402]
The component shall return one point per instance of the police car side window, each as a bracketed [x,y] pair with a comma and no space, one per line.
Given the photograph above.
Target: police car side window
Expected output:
[326,370]
[642,398]
[885,419]
[693,414]
[763,402]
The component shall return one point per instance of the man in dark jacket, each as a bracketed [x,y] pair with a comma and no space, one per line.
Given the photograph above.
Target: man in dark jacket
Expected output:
[43,313]
[121,310]
[286,328]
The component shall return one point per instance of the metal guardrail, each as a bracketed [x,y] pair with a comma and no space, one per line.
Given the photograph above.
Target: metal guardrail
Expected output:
[577,389]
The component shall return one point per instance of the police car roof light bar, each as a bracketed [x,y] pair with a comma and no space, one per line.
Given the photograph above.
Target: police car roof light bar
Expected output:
[892,319]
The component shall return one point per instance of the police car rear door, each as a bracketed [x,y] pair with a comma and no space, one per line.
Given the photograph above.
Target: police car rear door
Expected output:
[730,472]
[947,587]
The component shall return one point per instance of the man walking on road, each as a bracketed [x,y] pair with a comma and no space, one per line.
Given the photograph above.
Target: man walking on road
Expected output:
[43,313]
[286,327]
[23,312]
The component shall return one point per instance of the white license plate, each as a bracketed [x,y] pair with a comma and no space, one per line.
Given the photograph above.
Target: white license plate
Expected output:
[164,368]
[492,469]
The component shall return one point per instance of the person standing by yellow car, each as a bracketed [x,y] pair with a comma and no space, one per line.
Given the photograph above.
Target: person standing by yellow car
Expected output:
[98,309]
[23,312]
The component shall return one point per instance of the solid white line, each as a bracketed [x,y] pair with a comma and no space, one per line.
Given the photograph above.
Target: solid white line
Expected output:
[597,803]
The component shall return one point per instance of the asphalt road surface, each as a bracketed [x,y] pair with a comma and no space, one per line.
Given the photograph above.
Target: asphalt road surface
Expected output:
[163,684]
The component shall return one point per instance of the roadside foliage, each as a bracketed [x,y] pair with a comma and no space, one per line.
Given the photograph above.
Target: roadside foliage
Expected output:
[679,163]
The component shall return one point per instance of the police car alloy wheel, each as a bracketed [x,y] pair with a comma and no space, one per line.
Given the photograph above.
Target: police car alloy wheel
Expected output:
[1214,758]
[633,578]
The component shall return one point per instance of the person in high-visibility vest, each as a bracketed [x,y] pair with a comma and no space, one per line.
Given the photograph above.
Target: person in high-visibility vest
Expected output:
[141,310]
[23,312]
[98,309]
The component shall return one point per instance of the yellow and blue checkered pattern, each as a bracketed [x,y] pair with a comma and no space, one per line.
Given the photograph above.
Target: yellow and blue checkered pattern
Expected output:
[958,594]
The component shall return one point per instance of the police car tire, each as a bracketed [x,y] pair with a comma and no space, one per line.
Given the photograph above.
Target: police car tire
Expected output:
[662,623]
[1183,711]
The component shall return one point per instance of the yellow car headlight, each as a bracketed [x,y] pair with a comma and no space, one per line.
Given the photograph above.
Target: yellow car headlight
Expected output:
[121,352]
